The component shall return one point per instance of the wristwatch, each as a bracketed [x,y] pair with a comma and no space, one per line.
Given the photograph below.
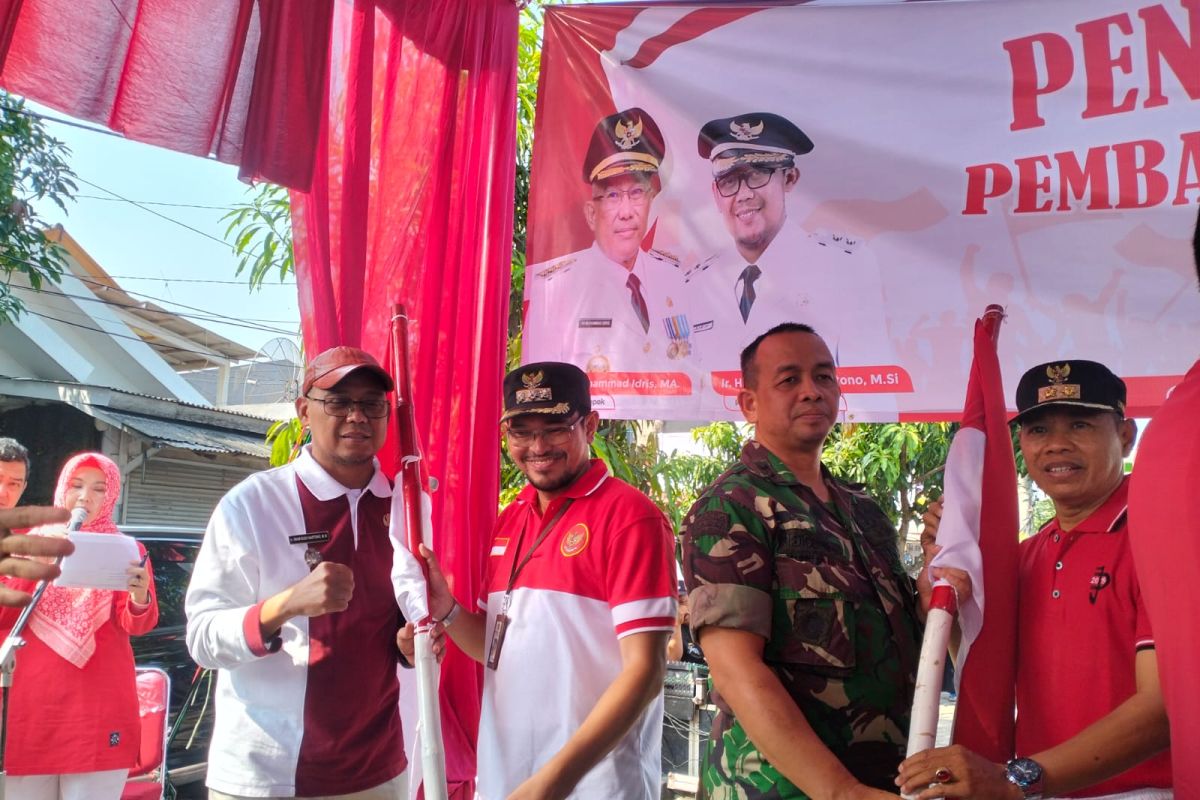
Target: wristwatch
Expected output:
[1026,775]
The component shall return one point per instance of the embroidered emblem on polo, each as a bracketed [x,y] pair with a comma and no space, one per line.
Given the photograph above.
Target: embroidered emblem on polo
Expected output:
[499,545]
[1099,582]
[574,541]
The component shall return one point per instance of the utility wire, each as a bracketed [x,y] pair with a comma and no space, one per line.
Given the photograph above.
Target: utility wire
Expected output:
[25,112]
[211,316]
[200,280]
[153,202]
[120,14]
[143,205]
[202,317]
[149,210]
[232,320]
[158,345]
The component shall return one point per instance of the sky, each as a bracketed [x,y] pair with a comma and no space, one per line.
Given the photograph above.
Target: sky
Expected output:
[162,261]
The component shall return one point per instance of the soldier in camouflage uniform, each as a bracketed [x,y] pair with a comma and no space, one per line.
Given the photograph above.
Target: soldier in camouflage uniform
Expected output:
[810,625]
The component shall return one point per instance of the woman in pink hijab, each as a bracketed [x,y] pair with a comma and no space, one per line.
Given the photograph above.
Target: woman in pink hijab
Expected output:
[73,711]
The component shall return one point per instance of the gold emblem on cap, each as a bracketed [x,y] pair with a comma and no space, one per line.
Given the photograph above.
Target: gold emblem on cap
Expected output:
[627,135]
[745,132]
[1058,389]
[533,392]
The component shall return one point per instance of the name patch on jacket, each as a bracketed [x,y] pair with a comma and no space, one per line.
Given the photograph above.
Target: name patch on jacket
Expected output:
[316,537]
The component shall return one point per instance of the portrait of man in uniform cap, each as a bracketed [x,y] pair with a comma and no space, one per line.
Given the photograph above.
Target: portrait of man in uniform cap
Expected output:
[774,270]
[614,306]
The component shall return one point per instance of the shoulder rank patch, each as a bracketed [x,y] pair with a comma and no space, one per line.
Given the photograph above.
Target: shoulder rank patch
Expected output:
[700,266]
[837,241]
[555,267]
[664,255]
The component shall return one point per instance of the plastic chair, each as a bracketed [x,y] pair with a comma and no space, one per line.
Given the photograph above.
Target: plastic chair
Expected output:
[148,778]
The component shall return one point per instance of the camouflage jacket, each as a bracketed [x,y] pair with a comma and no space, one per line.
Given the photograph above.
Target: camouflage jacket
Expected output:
[823,584]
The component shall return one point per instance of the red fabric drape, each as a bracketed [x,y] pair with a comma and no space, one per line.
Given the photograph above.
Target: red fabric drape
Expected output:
[240,80]
[412,203]
[409,108]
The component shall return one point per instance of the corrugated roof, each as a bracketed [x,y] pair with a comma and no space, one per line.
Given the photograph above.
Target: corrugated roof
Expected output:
[238,412]
[184,435]
[106,289]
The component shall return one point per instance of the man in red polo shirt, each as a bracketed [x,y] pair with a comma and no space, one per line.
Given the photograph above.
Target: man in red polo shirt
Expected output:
[577,604]
[1090,716]
[1164,508]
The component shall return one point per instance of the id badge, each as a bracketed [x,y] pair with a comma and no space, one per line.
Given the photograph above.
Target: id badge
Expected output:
[497,642]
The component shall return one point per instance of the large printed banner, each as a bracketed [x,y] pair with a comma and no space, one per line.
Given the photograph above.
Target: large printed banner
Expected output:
[880,172]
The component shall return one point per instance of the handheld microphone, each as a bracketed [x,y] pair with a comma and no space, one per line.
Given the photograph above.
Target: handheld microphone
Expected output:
[78,515]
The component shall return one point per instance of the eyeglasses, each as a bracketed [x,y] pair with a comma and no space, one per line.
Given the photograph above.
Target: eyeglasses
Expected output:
[753,177]
[638,195]
[555,436]
[340,406]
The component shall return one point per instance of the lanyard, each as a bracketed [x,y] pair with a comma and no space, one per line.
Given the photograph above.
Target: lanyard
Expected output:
[502,619]
[516,568]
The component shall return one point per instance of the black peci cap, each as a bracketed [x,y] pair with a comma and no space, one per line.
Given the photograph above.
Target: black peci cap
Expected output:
[1076,382]
[547,388]
[628,141]
[758,138]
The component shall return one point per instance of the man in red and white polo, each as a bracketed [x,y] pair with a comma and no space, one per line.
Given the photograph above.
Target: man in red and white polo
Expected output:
[577,605]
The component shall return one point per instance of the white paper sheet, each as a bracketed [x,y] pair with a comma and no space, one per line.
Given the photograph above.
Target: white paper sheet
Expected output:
[99,561]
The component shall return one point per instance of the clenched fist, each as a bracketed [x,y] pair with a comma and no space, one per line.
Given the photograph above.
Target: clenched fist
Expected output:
[326,589]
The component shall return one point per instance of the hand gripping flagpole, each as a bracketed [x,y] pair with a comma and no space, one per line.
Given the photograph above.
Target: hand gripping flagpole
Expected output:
[410,480]
[943,609]
[935,647]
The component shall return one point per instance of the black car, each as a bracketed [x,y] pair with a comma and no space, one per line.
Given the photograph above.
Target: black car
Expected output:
[173,553]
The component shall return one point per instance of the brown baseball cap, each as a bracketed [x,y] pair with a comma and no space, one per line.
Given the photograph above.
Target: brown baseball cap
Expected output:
[336,363]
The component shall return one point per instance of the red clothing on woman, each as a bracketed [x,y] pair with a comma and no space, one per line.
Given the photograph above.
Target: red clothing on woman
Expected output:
[73,705]
[65,719]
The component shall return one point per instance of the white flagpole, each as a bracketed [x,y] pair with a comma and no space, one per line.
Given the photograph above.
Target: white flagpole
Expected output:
[410,485]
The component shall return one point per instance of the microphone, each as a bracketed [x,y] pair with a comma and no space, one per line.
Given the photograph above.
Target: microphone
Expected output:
[78,515]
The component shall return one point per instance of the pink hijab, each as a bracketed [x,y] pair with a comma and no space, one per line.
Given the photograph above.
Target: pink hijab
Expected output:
[67,619]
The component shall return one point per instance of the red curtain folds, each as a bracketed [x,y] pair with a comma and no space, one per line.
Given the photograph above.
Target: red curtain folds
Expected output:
[240,80]
[412,202]
[409,107]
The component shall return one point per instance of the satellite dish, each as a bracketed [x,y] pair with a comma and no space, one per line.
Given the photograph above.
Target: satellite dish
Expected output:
[275,374]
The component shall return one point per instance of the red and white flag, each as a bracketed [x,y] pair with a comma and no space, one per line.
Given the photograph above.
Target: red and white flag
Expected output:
[978,533]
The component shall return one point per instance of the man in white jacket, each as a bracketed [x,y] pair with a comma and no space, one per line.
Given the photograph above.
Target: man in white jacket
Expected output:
[292,600]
